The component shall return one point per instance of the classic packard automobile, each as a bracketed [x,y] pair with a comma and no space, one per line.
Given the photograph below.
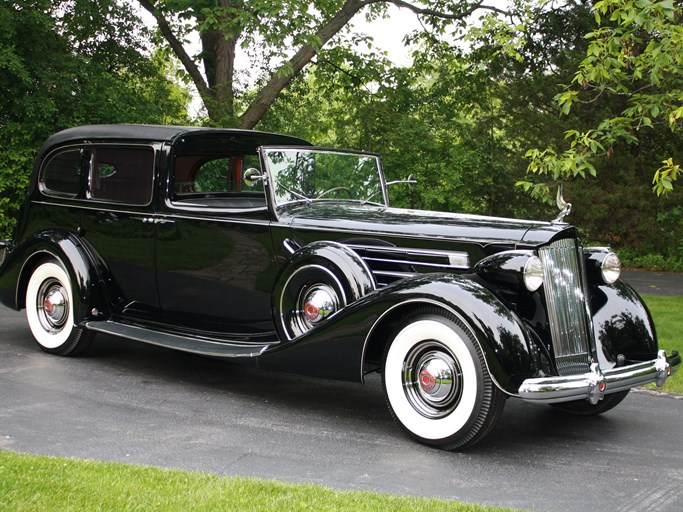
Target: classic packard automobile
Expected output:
[260,248]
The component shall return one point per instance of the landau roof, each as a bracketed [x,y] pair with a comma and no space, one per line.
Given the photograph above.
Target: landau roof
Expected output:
[158,133]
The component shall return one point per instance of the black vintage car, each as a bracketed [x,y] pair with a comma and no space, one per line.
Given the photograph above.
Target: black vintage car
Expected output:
[259,248]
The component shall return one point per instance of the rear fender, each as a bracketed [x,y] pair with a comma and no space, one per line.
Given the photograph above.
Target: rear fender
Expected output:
[69,251]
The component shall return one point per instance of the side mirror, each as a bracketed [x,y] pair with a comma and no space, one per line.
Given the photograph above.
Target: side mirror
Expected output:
[252,176]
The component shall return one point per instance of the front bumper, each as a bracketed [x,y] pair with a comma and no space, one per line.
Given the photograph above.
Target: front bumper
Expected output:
[595,384]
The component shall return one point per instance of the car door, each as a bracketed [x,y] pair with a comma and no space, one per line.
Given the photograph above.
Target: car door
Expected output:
[214,256]
[117,224]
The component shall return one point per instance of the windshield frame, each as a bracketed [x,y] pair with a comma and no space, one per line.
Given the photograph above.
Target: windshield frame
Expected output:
[270,181]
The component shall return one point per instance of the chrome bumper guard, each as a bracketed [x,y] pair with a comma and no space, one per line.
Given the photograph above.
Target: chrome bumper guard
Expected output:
[595,384]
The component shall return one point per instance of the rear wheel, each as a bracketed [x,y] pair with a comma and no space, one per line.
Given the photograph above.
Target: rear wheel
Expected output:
[585,408]
[49,310]
[436,383]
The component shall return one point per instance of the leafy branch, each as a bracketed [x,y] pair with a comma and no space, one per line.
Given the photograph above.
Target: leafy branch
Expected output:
[635,52]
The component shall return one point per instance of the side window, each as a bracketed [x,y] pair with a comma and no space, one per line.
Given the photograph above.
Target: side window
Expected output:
[213,176]
[122,174]
[223,175]
[216,181]
[62,174]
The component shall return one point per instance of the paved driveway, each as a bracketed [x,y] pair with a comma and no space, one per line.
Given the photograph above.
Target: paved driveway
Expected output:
[655,283]
[145,405]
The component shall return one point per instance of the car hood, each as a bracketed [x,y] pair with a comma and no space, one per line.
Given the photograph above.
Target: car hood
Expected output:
[368,220]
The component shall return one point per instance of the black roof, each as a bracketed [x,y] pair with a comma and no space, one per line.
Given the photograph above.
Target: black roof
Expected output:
[156,133]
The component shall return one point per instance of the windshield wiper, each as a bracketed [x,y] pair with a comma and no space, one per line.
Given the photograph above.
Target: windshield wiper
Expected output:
[298,195]
[367,199]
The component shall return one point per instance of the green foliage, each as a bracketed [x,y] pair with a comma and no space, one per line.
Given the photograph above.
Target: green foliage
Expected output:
[665,176]
[634,61]
[439,121]
[653,262]
[69,63]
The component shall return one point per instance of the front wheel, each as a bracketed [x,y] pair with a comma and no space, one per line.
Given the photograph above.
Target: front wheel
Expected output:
[50,313]
[436,383]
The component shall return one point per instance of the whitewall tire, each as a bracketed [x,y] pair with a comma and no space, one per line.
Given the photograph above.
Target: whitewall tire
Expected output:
[50,312]
[436,383]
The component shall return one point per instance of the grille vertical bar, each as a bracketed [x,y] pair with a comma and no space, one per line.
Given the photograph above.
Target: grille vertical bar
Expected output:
[565,300]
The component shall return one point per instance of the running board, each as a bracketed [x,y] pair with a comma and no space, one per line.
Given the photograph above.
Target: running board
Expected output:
[226,349]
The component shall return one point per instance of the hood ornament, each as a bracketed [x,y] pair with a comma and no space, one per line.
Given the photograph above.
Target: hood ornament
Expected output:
[563,205]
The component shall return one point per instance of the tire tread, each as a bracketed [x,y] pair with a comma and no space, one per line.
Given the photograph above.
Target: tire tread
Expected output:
[492,403]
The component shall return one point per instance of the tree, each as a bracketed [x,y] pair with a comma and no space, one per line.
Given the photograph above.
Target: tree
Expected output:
[439,120]
[634,55]
[530,64]
[282,38]
[69,63]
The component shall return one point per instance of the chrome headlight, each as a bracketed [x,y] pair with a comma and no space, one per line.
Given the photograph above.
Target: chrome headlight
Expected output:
[520,269]
[610,268]
[533,273]
[602,265]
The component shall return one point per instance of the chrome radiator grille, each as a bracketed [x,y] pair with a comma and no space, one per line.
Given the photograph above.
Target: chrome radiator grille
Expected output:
[565,300]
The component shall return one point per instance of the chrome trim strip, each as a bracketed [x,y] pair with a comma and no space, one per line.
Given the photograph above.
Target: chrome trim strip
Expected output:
[83,204]
[480,242]
[597,383]
[162,215]
[255,209]
[415,263]
[388,273]
[456,259]
[407,250]
[233,220]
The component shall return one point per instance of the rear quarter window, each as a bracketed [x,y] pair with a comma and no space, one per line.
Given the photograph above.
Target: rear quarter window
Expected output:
[62,174]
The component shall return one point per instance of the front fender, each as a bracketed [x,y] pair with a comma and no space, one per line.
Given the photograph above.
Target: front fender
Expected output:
[622,325]
[339,347]
[68,249]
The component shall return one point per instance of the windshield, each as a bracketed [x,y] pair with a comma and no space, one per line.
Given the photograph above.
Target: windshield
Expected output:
[315,174]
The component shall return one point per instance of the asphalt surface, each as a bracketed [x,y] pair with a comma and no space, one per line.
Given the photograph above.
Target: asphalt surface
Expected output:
[655,283]
[134,403]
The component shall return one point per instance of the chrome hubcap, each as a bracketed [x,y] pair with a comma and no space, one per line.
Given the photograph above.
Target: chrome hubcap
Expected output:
[315,304]
[52,304]
[432,379]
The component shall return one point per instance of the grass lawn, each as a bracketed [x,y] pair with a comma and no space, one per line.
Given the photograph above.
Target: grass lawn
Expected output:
[667,313]
[34,483]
